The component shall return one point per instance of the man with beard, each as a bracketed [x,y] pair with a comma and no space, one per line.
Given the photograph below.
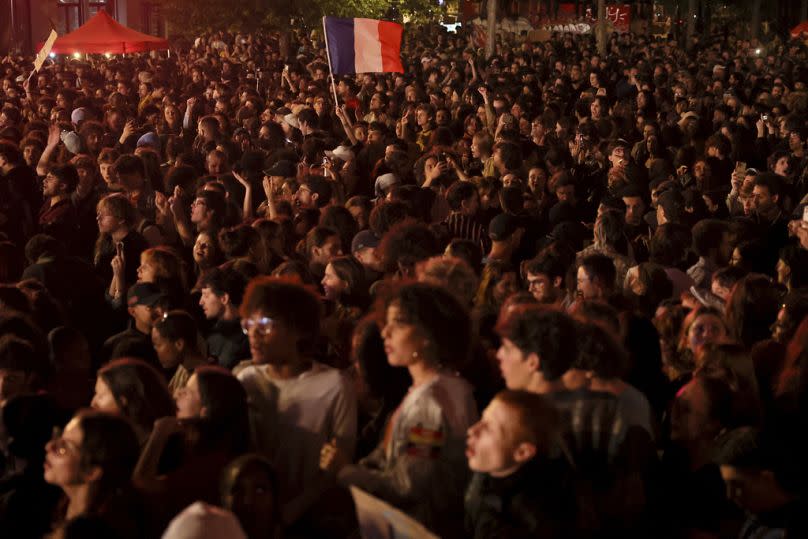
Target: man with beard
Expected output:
[57,217]
[545,278]
[636,228]
[773,224]
[314,193]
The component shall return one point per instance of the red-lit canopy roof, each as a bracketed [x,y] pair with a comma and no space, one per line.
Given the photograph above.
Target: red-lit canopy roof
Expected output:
[801,28]
[103,34]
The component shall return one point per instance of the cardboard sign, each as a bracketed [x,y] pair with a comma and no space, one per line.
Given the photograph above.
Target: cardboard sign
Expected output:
[43,53]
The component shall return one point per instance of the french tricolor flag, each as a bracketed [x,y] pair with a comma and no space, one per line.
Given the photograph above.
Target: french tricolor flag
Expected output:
[363,45]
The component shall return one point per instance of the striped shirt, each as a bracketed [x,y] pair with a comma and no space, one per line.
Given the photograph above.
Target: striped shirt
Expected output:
[467,228]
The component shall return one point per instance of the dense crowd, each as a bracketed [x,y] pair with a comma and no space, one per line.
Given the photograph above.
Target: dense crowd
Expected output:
[545,294]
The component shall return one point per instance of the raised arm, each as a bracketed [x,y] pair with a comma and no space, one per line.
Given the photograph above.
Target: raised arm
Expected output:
[181,217]
[247,209]
[346,123]
[54,137]
[272,207]
[490,117]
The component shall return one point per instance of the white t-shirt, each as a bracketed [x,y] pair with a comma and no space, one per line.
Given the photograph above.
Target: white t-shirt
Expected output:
[291,419]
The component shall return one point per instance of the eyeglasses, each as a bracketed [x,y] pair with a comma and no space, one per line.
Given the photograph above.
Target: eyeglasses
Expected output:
[59,446]
[535,283]
[198,203]
[261,324]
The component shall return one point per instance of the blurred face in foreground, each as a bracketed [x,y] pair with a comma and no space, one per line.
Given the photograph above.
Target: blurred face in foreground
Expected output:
[493,445]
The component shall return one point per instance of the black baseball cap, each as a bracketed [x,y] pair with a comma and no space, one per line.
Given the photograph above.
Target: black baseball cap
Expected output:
[503,226]
[147,294]
[283,168]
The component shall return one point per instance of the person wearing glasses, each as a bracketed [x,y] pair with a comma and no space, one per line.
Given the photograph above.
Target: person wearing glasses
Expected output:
[207,214]
[314,193]
[296,403]
[92,462]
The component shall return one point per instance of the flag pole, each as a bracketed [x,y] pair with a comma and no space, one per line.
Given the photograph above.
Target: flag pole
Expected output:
[330,72]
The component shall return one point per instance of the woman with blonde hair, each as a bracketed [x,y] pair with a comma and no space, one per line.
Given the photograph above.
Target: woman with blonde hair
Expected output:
[165,268]
[701,327]
[499,280]
[118,246]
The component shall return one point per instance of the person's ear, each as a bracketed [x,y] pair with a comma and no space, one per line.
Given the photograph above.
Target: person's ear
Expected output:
[775,198]
[558,281]
[314,197]
[225,298]
[94,474]
[203,412]
[524,452]
[179,345]
[533,361]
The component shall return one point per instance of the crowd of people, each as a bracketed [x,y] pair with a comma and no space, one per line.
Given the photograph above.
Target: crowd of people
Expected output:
[544,294]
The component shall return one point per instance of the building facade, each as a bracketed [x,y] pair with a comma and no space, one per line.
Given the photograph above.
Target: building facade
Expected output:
[26,23]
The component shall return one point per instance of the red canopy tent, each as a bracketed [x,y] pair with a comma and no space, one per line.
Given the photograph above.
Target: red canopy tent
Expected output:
[801,28]
[103,34]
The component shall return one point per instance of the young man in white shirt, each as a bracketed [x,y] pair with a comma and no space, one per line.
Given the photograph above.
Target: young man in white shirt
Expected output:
[296,403]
